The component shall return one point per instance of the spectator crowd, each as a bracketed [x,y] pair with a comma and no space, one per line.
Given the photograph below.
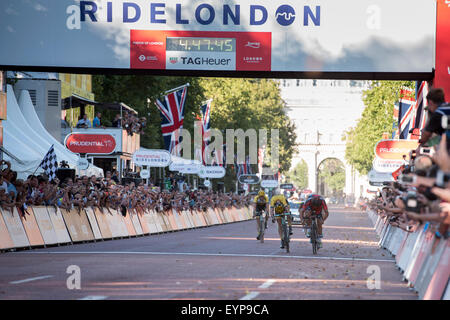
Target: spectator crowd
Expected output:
[106,193]
[422,191]
[130,122]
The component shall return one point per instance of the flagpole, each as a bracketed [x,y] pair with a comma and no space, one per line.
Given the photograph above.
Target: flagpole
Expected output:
[42,160]
[177,88]
[206,101]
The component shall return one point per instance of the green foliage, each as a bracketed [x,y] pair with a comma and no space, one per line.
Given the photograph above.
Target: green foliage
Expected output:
[332,174]
[237,103]
[299,175]
[376,119]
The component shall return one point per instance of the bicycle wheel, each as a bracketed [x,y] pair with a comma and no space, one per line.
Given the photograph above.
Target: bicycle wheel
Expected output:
[314,236]
[286,237]
[261,229]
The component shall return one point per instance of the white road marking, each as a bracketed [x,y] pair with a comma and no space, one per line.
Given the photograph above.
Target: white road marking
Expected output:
[94,298]
[30,279]
[210,254]
[267,284]
[250,296]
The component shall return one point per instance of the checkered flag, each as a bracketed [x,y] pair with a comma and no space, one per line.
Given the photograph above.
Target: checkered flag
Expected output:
[50,164]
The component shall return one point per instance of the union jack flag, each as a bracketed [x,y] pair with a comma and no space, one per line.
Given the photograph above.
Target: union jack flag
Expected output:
[405,112]
[419,114]
[172,117]
[206,126]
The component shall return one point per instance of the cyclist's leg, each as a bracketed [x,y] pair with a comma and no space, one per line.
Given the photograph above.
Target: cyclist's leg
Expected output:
[289,219]
[280,227]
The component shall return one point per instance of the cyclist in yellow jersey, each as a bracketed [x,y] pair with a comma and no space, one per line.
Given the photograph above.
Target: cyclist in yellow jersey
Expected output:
[261,205]
[279,206]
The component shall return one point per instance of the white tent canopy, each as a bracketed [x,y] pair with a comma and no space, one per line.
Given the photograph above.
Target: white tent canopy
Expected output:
[26,139]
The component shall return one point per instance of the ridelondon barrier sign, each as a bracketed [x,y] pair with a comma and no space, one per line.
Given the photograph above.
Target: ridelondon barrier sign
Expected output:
[221,35]
[382,165]
[152,157]
[248,179]
[90,143]
[216,172]
[269,183]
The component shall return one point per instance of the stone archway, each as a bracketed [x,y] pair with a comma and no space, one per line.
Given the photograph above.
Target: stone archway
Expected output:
[314,154]
[331,177]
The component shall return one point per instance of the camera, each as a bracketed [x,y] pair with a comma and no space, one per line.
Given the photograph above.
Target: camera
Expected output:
[405,179]
[411,202]
[425,151]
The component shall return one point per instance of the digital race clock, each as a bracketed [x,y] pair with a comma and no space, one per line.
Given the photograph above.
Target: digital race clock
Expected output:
[200,50]
[201,44]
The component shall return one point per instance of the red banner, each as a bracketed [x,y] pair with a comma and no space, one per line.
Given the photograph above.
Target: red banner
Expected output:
[442,72]
[200,50]
[91,143]
[395,149]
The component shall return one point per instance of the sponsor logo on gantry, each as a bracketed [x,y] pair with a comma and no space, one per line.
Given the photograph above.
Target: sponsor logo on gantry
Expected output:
[254,45]
[173,60]
[253,59]
[206,61]
[142,58]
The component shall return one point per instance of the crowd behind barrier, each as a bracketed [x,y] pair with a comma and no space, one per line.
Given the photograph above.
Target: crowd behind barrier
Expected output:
[51,225]
[412,214]
[41,211]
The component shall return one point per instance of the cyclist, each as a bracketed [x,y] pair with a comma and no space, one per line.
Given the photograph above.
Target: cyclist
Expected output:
[316,205]
[279,206]
[261,205]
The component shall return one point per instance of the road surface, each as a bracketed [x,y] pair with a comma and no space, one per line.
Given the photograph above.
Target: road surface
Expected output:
[218,262]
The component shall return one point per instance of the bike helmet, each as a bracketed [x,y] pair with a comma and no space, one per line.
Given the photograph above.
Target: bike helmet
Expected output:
[316,202]
[261,193]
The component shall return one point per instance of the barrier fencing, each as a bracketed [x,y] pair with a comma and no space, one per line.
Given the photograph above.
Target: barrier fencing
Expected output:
[46,226]
[426,271]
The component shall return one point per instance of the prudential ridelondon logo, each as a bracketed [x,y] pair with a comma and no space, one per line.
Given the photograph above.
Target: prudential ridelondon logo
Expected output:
[285,15]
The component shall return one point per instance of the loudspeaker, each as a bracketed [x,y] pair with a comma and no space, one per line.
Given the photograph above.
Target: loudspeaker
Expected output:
[63,173]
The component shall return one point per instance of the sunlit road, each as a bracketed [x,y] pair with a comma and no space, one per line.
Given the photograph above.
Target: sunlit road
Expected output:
[219,262]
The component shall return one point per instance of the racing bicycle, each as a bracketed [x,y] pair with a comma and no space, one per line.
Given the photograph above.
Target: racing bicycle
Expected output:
[314,233]
[285,231]
[261,218]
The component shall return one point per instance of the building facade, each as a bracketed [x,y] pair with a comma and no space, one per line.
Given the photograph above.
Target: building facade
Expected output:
[323,110]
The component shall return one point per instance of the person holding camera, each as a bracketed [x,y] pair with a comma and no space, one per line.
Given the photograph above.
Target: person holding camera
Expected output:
[437,108]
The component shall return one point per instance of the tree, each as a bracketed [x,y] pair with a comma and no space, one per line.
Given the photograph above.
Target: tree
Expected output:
[332,175]
[376,118]
[299,175]
[237,103]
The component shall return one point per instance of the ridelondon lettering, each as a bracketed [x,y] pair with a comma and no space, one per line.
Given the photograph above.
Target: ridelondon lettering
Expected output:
[202,14]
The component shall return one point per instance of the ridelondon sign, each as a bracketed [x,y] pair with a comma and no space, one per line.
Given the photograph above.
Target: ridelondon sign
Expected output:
[221,35]
[248,179]
[90,143]
[382,165]
[269,183]
[212,172]
[152,157]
